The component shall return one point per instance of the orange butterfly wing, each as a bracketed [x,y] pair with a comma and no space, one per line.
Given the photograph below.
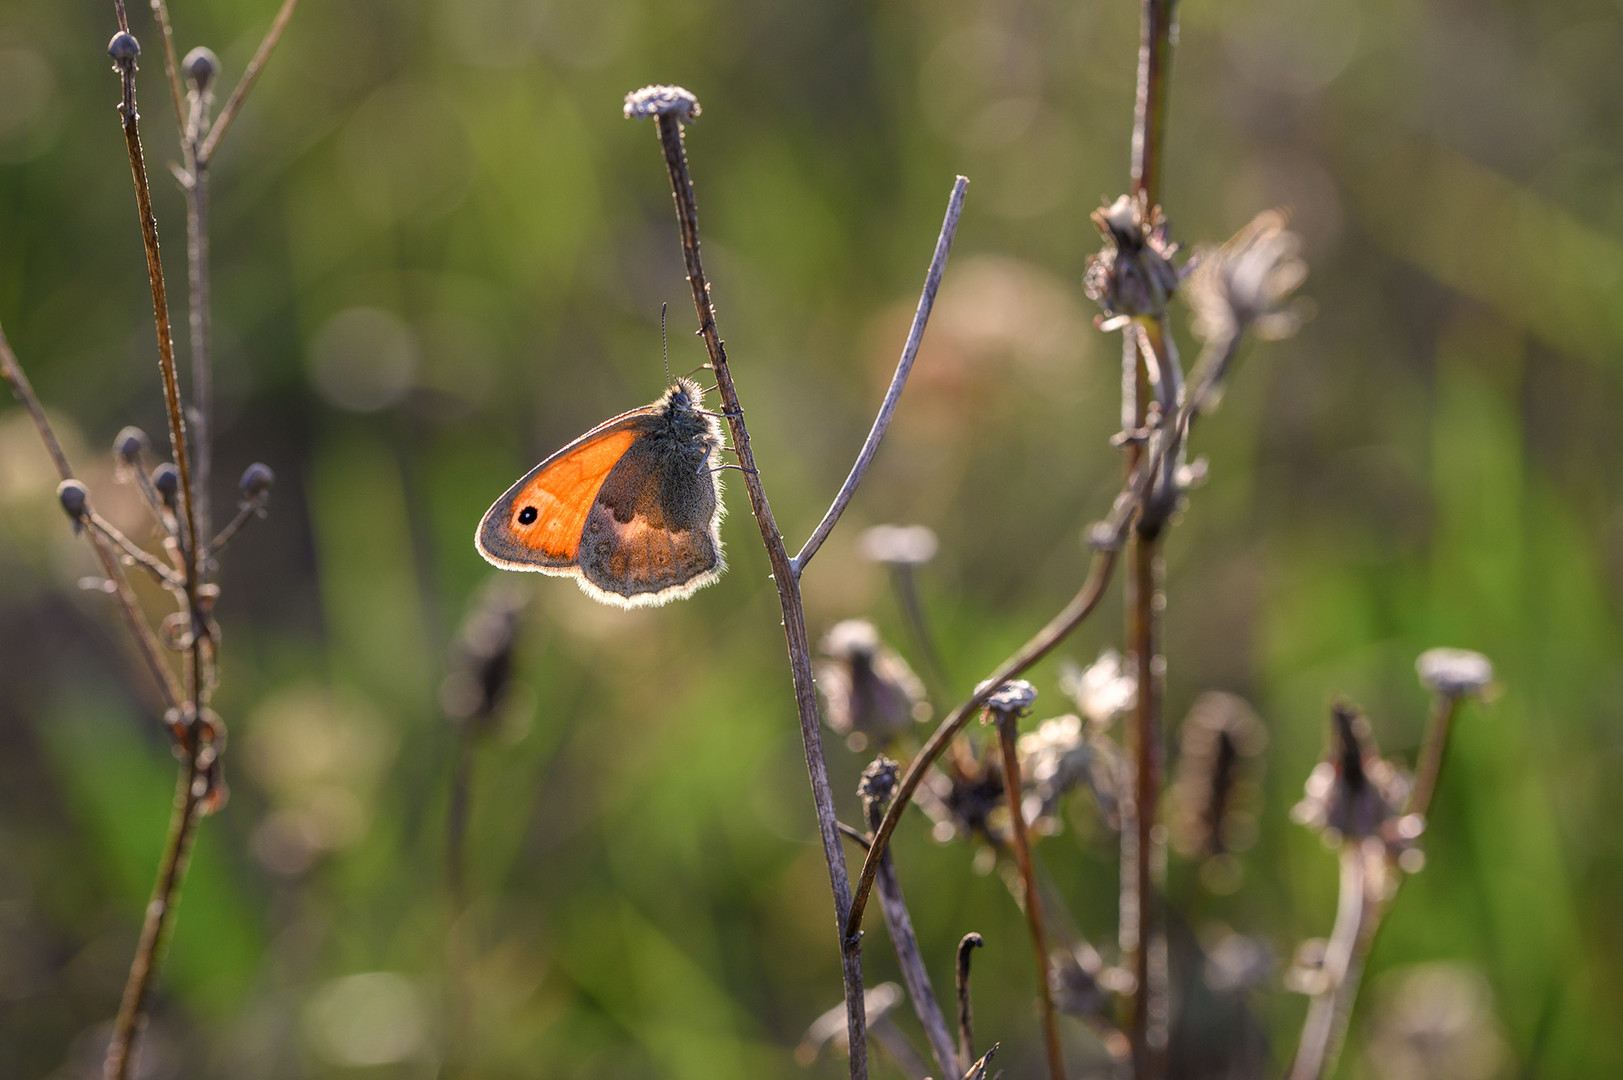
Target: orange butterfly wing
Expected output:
[537,524]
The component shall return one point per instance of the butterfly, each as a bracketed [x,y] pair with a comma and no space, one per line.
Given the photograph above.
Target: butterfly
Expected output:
[631,509]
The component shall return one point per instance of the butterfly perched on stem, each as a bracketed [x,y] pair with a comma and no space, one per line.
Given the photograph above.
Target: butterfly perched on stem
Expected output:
[631,509]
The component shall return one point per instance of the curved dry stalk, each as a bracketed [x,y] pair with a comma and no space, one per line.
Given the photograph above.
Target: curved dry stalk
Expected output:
[670,108]
[1041,644]
[904,367]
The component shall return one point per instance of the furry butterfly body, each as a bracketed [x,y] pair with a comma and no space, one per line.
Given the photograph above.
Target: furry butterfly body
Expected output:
[631,509]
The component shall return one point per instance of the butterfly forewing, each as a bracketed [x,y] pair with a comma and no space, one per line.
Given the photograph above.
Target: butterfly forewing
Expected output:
[560,491]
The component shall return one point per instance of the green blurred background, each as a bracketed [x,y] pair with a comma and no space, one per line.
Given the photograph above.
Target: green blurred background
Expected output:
[440,253]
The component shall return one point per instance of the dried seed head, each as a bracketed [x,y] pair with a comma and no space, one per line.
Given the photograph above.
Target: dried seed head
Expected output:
[1246,285]
[878,784]
[868,690]
[1214,788]
[898,545]
[1104,690]
[256,481]
[1060,756]
[200,66]
[75,500]
[129,445]
[662,101]
[123,48]
[166,481]
[1455,673]
[1133,274]
[1013,698]
[1353,792]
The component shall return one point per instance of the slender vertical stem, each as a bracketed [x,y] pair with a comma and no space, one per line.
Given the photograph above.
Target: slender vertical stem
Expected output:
[1006,730]
[197,260]
[1358,917]
[132,1008]
[1141,933]
[669,127]
[1430,768]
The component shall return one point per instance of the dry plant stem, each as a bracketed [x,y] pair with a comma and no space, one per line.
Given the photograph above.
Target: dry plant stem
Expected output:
[250,75]
[1007,732]
[172,867]
[669,128]
[1040,645]
[196,188]
[171,65]
[1360,916]
[132,1009]
[1430,767]
[146,642]
[966,1026]
[1140,923]
[914,976]
[904,367]
[1357,919]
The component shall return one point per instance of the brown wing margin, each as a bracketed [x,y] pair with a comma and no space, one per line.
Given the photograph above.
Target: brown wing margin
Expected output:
[561,490]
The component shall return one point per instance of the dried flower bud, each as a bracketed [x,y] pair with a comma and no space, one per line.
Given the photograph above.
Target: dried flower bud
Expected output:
[75,499]
[1214,787]
[123,48]
[1454,673]
[130,444]
[200,66]
[256,481]
[482,661]
[898,545]
[868,690]
[1246,284]
[1353,792]
[662,101]
[1103,690]
[1133,274]
[166,481]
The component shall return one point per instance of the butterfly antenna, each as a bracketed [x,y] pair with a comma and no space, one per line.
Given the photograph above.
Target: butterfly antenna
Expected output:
[665,341]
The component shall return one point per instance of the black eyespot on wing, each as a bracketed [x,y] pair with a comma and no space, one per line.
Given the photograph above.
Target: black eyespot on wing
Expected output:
[527,516]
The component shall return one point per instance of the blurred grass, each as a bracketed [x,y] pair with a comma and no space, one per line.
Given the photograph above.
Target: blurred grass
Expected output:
[440,253]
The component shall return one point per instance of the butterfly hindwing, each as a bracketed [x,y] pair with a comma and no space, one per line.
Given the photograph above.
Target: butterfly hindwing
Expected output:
[651,533]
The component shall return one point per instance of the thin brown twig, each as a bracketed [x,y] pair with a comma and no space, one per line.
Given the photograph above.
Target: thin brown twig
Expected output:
[898,381]
[164,574]
[250,75]
[899,924]
[1140,932]
[172,869]
[196,189]
[146,642]
[1007,722]
[670,107]
[189,724]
